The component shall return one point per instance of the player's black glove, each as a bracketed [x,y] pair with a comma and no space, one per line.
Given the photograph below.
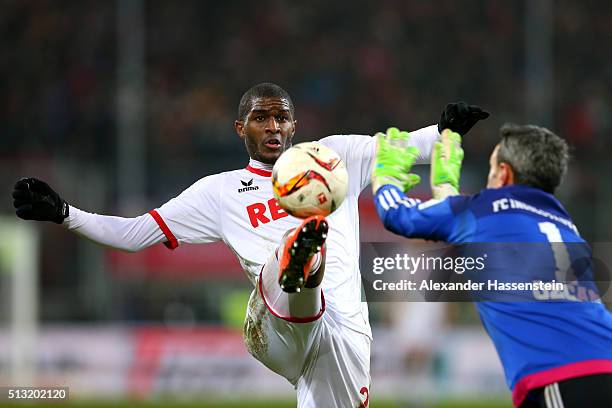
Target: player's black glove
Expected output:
[33,199]
[460,117]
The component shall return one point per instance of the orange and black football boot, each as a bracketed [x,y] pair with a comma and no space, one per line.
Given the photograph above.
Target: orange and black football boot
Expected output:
[296,255]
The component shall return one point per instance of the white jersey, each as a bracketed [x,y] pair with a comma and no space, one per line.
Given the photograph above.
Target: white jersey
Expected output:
[239,208]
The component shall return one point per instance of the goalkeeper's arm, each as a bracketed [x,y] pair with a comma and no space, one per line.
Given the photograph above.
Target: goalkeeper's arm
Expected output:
[434,219]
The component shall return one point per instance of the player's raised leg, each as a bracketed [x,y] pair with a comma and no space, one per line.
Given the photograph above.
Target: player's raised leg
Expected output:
[280,327]
[287,330]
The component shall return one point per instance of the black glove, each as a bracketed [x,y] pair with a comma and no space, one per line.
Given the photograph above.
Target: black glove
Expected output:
[35,200]
[460,117]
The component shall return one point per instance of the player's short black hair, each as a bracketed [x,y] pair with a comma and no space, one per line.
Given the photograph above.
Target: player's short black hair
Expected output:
[263,90]
[537,156]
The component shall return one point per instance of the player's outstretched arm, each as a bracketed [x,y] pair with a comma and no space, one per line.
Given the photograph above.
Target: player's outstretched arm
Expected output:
[34,199]
[446,165]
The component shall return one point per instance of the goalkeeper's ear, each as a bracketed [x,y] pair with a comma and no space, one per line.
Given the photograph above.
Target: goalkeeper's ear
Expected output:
[500,174]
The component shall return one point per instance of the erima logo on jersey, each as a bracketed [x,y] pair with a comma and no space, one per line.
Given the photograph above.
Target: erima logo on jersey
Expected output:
[247,186]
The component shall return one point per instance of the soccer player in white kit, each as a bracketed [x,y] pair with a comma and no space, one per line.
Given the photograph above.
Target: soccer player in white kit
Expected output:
[316,334]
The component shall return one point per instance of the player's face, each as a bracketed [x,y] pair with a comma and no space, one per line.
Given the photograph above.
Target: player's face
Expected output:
[268,129]
[500,174]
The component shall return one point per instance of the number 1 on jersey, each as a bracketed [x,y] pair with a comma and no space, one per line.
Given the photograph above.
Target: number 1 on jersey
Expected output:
[560,253]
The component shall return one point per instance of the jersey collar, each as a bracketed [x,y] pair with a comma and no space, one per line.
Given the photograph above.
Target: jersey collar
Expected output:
[259,168]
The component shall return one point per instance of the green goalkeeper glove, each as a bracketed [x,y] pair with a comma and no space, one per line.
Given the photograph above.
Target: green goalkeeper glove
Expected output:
[446,165]
[393,161]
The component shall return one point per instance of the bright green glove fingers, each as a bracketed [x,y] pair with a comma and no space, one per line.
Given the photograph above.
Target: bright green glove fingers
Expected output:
[454,137]
[411,181]
[412,152]
[393,160]
[394,133]
[446,164]
[442,171]
[397,137]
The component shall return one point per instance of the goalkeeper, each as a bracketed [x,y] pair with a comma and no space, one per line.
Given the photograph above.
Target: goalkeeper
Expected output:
[555,353]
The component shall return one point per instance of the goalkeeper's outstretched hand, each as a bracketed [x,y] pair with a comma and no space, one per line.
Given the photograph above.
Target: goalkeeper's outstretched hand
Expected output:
[393,161]
[33,199]
[460,117]
[446,161]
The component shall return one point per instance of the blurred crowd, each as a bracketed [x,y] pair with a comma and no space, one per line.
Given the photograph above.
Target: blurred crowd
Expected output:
[351,67]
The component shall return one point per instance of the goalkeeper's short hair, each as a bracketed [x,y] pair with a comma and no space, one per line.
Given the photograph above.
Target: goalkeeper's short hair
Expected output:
[537,156]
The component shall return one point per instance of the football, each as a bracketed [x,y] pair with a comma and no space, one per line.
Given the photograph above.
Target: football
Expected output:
[309,179]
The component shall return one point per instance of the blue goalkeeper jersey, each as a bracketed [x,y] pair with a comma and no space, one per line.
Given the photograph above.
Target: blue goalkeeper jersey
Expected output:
[546,339]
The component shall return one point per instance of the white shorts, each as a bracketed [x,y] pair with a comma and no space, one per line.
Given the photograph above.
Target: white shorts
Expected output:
[328,363]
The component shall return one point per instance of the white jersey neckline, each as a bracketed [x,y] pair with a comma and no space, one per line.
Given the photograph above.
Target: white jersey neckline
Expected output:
[259,168]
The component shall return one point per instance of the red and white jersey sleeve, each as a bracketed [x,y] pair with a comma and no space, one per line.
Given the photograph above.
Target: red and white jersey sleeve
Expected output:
[358,151]
[194,215]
